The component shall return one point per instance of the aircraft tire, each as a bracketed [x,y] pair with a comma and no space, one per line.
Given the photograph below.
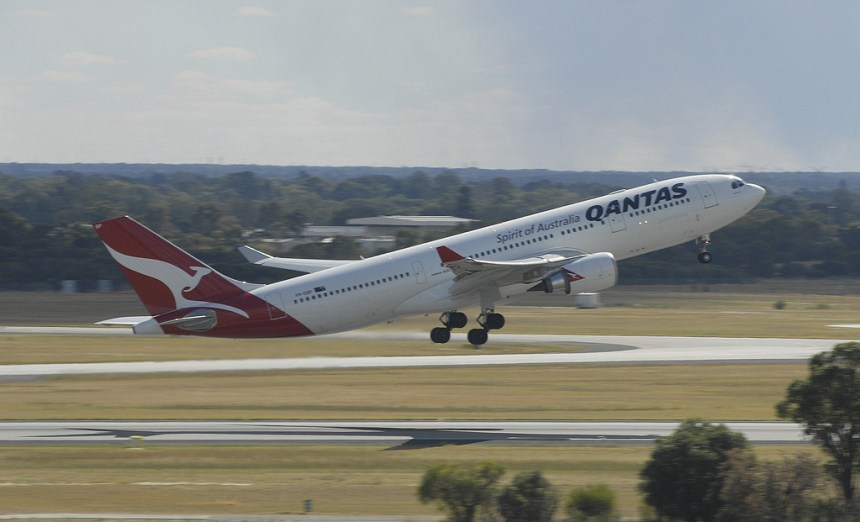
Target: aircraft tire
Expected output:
[477,336]
[494,322]
[440,335]
[705,257]
[457,319]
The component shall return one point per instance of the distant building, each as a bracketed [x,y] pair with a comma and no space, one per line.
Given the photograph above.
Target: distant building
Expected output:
[372,234]
[342,231]
[388,225]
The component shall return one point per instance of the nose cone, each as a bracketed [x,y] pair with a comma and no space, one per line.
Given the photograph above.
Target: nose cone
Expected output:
[757,192]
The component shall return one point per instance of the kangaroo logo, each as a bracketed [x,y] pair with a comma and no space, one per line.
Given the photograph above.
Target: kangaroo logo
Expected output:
[178,281]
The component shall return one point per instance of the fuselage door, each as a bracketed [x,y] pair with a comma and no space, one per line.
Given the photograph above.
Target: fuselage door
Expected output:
[418,268]
[276,310]
[709,199]
[617,222]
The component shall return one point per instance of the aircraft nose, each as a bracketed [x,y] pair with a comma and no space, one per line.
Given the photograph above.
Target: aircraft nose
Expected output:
[759,192]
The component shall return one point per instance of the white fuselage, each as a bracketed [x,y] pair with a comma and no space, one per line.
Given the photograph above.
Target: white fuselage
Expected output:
[414,280]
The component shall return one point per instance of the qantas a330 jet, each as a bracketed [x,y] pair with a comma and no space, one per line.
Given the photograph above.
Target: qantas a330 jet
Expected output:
[568,250]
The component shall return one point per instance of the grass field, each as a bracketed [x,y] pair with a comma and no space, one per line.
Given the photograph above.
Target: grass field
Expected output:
[366,480]
[262,480]
[641,392]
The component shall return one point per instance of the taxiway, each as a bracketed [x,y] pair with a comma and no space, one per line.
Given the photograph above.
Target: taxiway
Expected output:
[600,350]
[397,435]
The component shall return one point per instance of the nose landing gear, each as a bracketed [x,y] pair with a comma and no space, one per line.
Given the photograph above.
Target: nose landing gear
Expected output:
[702,243]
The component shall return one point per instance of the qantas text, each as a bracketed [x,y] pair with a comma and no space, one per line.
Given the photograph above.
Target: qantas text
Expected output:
[642,200]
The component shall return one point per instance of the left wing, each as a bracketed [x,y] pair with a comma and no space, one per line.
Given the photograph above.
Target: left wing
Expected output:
[289,263]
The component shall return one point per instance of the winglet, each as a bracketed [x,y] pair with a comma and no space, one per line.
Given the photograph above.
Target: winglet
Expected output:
[447,255]
[253,255]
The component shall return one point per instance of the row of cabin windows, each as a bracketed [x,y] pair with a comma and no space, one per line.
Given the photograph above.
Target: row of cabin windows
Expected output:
[677,202]
[577,229]
[530,241]
[352,288]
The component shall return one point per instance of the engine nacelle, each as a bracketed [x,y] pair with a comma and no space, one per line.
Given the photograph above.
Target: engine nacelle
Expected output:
[592,273]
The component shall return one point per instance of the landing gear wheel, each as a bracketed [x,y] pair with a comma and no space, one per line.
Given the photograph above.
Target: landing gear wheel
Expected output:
[454,319]
[703,242]
[477,336]
[493,321]
[440,335]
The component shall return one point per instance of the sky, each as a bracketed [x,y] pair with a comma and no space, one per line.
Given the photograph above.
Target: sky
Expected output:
[662,85]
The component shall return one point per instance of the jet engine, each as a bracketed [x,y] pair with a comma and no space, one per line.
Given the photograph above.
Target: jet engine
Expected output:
[591,273]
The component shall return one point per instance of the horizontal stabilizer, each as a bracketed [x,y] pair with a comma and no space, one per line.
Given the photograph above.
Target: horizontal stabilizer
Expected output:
[125,321]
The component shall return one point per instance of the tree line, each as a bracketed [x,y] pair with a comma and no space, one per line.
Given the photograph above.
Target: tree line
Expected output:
[45,235]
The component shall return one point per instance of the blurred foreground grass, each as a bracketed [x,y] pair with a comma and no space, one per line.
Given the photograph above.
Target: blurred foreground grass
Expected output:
[354,480]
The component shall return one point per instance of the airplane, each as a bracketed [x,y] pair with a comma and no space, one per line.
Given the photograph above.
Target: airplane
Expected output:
[568,250]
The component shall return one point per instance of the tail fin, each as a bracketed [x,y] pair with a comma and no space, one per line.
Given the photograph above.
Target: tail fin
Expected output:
[164,276]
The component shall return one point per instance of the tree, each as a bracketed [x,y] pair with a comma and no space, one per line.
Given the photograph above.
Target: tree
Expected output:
[529,498]
[827,404]
[769,491]
[465,208]
[462,491]
[595,502]
[683,479]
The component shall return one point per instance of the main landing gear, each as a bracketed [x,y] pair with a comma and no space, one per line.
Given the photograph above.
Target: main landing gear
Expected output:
[451,320]
[703,242]
[489,320]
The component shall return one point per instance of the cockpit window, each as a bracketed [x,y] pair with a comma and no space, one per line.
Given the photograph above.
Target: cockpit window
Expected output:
[737,183]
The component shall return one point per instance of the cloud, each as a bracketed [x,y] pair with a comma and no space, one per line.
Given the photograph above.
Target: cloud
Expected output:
[35,13]
[199,88]
[65,76]
[223,53]
[84,58]
[417,11]
[253,11]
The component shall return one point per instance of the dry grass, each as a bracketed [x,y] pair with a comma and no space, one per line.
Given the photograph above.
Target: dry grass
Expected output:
[715,310]
[273,480]
[670,392]
[365,480]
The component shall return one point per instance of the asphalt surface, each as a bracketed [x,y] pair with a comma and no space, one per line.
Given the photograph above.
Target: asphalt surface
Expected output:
[601,350]
[395,435]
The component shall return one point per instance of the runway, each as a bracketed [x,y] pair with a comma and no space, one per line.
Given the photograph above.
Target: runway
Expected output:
[600,350]
[395,435]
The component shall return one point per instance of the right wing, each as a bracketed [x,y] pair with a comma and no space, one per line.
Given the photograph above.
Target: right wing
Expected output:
[476,273]
[527,270]
[288,263]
